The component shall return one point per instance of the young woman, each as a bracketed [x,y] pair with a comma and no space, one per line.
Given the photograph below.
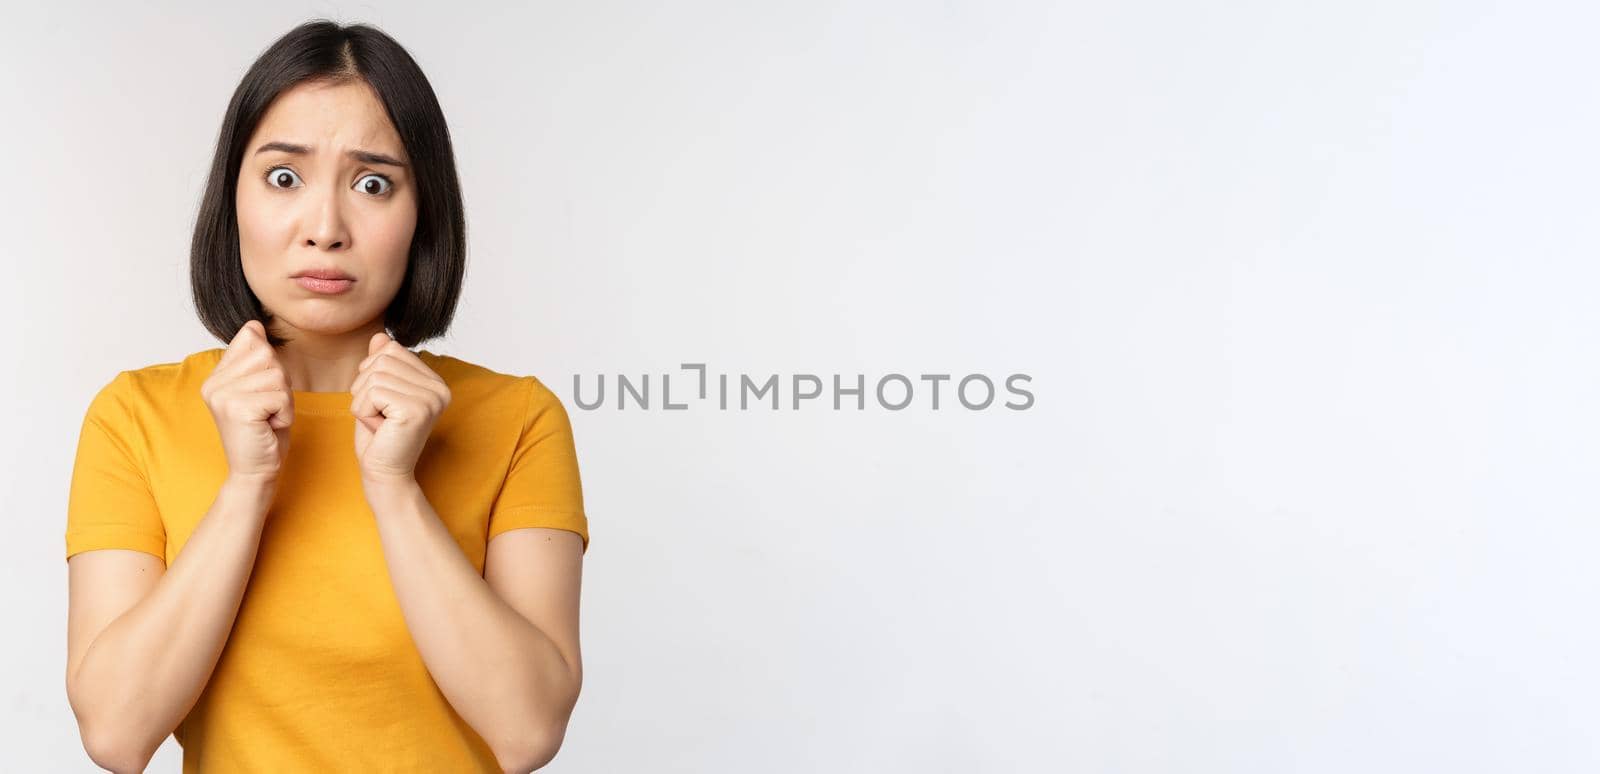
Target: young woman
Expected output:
[315,549]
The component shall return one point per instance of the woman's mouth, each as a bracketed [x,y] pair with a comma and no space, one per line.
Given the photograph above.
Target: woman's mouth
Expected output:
[325,286]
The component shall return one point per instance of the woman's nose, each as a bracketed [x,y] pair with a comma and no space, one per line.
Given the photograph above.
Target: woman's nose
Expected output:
[326,226]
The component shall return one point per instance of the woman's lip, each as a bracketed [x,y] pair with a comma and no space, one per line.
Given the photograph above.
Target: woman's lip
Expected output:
[326,286]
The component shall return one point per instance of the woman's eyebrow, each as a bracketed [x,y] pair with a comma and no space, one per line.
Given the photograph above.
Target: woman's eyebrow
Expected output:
[368,157]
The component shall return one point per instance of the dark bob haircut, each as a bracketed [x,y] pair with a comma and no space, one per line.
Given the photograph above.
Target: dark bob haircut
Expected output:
[324,51]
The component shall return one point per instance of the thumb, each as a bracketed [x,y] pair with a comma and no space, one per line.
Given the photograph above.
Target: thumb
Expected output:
[377,341]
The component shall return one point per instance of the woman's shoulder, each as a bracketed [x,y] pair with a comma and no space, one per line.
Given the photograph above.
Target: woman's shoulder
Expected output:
[166,374]
[166,382]
[477,382]
[155,386]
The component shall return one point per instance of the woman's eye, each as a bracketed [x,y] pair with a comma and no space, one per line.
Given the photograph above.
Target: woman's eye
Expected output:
[377,185]
[281,177]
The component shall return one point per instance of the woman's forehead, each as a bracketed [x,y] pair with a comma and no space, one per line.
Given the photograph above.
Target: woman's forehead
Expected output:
[337,116]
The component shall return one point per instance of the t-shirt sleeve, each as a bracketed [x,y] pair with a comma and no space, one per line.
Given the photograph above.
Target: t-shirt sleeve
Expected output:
[109,504]
[542,487]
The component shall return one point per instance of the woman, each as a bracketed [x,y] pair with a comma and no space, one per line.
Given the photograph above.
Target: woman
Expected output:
[315,549]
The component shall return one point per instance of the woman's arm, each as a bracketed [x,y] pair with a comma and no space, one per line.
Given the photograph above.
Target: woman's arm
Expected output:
[516,683]
[143,639]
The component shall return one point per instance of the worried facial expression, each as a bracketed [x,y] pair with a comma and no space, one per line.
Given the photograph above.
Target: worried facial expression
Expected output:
[327,206]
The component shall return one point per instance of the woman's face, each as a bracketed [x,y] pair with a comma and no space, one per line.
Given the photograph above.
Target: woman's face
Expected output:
[325,186]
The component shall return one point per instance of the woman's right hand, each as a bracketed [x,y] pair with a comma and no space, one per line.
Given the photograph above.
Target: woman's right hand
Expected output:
[251,402]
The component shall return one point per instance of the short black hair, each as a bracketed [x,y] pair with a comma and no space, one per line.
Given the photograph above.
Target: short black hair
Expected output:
[325,51]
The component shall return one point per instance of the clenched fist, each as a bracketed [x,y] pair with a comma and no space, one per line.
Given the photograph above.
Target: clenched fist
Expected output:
[397,401]
[252,403]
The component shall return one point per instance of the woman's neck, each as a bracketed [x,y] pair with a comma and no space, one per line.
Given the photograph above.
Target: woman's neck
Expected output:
[321,363]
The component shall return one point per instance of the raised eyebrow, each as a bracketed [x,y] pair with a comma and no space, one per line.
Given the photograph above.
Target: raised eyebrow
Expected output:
[367,157]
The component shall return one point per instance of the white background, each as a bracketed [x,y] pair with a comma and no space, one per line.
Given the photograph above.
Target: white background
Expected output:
[1306,291]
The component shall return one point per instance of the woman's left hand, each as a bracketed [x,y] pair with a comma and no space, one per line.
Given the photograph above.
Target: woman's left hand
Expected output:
[397,400]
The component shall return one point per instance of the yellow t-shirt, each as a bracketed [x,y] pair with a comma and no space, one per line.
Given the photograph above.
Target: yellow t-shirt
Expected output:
[320,672]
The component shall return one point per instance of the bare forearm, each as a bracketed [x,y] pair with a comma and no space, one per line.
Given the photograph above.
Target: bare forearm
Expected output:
[500,672]
[145,670]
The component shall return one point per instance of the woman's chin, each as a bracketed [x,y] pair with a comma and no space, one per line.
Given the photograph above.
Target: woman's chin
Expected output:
[320,327]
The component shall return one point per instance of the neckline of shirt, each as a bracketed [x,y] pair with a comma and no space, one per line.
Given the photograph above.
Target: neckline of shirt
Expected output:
[324,404]
[319,404]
